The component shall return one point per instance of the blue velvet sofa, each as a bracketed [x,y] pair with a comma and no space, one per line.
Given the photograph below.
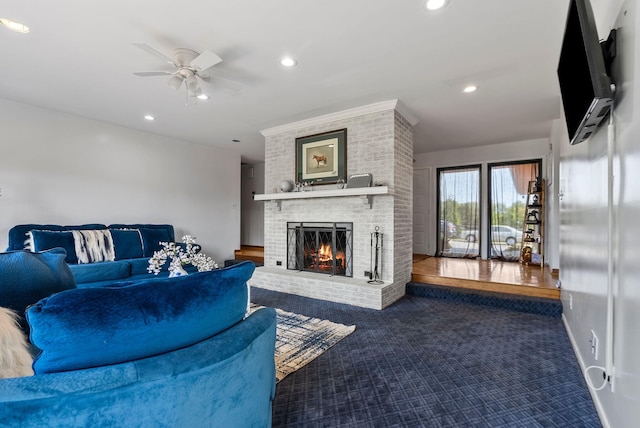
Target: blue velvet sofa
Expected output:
[133,245]
[158,352]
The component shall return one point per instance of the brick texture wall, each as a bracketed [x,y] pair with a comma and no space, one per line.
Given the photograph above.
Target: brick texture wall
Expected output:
[380,143]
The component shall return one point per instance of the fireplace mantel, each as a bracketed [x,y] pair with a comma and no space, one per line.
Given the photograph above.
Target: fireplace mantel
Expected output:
[366,193]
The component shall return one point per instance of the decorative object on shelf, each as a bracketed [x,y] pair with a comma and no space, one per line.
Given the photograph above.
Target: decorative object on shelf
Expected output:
[179,256]
[340,184]
[538,185]
[359,180]
[536,200]
[532,217]
[322,158]
[376,257]
[286,186]
[298,187]
[525,255]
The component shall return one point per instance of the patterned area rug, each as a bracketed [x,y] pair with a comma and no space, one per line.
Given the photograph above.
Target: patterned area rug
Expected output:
[301,339]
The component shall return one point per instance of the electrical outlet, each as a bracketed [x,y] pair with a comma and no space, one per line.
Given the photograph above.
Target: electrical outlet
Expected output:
[367,274]
[594,345]
[278,263]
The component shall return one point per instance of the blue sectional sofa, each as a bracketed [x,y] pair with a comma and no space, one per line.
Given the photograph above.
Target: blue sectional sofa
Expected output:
[157,352]
[133,245]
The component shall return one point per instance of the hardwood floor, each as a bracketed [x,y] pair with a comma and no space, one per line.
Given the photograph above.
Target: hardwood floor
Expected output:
[485,275]
[250,252]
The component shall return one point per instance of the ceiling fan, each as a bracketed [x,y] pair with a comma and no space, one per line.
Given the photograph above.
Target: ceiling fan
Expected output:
[188,65]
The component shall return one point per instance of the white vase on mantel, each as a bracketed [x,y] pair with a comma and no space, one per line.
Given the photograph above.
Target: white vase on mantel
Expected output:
[179,271]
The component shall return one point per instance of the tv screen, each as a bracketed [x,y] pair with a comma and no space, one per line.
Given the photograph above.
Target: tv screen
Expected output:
[584,85]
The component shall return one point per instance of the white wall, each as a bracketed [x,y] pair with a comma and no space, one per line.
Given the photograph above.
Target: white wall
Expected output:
[252,229]
[63,169]
[521,150]
[584,230]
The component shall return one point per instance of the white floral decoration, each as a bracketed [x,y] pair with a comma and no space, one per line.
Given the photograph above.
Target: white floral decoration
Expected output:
[179,256]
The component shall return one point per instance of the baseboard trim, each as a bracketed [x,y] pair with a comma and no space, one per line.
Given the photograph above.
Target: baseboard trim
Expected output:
[594,396]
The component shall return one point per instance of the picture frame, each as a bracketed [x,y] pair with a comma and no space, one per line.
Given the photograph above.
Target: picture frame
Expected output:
[322,158]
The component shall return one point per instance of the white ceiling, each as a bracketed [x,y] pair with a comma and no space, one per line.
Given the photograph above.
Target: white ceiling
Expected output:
[79,59]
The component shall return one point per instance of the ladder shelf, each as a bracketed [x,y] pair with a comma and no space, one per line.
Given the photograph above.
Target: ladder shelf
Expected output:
[532,242]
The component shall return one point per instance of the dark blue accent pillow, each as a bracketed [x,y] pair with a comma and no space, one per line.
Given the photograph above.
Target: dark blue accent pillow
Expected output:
[27,277]
[42,240]
[91,327]
[126,243]
[151,239]
[167,227]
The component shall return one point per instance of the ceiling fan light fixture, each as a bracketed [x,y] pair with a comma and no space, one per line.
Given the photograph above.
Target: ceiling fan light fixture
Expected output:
[14,26]
[203,97]
[193,86]
[175,81]
[192,82]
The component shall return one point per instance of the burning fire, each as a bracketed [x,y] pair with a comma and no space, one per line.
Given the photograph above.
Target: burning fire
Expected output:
[324,253]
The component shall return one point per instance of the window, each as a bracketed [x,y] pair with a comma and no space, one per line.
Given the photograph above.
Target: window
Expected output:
[458,211]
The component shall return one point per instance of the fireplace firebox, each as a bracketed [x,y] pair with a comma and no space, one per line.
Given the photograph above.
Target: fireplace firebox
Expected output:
[320,247]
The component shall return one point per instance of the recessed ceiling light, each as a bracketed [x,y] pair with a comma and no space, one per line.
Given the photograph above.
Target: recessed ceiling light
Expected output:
[149,117]
[203,97]
[288,61]
[435,4]
[469,89]
[14,26]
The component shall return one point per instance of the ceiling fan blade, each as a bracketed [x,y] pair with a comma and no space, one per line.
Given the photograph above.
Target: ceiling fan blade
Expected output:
[148,49]
[206,59]
[153,73]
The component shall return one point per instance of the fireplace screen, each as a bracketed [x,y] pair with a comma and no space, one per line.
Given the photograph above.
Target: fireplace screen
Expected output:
[320,247]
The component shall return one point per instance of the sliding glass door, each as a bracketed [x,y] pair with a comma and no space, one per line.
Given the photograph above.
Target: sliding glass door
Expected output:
[507,198]
[458,211]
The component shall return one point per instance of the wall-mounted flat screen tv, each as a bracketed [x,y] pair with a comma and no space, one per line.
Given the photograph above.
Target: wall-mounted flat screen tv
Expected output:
[585,87]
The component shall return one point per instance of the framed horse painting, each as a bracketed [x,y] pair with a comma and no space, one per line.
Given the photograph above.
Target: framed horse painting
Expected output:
[322,158]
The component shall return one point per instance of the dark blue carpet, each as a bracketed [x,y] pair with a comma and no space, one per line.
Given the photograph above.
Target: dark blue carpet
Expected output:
[427,362]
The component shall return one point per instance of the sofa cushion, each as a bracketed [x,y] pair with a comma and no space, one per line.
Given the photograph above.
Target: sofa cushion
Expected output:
[42,240]
[139,266]
[101,271]
[19,238]
[151,239]
[167,227]
[127,243]
[90,327]
[28,277]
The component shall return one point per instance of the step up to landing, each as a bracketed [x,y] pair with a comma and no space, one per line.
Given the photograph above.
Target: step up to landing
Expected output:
[250,252]
[528,304]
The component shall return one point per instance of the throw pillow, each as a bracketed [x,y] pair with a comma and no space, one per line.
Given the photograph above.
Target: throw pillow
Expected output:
[42,240]
[151,239]
[93,245]
[91,327]
[127,243]
[28,277]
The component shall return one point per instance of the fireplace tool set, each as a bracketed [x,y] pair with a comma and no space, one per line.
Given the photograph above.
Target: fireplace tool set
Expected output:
[375,274]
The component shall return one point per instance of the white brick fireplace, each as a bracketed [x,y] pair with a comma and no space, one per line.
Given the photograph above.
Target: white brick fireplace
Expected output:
[380,142]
